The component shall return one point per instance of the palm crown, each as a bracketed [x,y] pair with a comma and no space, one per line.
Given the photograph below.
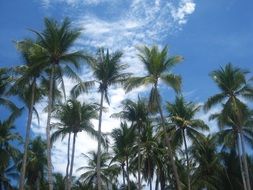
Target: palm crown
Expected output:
[158,65]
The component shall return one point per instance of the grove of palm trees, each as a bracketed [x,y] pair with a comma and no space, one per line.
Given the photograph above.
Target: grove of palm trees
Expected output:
[161,143]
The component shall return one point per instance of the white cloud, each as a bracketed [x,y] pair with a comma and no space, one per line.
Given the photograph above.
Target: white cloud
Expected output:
[185,8]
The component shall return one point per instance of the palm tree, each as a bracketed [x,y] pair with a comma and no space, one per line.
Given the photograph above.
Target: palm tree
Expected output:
[228,135]
[137,113]
[5,80]
[27,89]
[158,65]
[55,42]
[36,163]
[123,138]
[181,114]
[150,152]
[108,71]
[232,84]
[59,183]
[74,117]
[209,171]
[7,150]
[108,172]
[6,177]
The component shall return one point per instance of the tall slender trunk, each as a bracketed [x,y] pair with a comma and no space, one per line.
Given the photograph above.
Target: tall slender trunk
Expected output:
[123,174]
[67,168]
[139,157]
[38,183]
[50,102]
[169,151]
[149,173]
[187,160]
[240,161]
[72,161]
[99,183]
[157,181]
[245,162]
[127,169]
[27,137]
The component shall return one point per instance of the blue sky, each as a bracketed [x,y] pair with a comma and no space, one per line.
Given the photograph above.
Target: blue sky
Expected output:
[215,33]
[207,33]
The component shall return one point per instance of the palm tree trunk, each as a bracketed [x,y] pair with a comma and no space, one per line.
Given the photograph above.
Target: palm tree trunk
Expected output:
[157,181]
[99,183]
[38,184]
[27,137]
[123,174]
[72,161]
[245,163]
[139,158]
[50,102]
[169,151]
[127,169]
[67,168]
[187,160]
[240,161]
[149,173]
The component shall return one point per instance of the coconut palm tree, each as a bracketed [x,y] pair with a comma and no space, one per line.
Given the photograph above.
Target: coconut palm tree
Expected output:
[209,173]
[158,65]
[229,136]
[74,117]
[59,183]
[182,115]
[6,177]
[123,138]
[108,172]
[136,113]
[7,150]
[36,164]
[55,42]
[27,89]
[5,81]
[150,151]
[233,85]
[108,71]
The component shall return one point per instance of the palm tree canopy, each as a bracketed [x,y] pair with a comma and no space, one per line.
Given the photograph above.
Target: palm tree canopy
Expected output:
[135,112]
[74,117]
[108,172]
[37,161]
[5,81]
[158,65]
[123,138]
[107,70]
[232,83]
[7,136]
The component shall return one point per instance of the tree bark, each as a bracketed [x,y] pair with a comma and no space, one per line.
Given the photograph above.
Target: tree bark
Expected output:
[187,160]
[99,183]
[123,174]
[139,158]
[149,173]
[169,151]
[50,102]
[245,162]
[240,161]
[128,179]
[27,137]
[38,183]
[67,168]
[72,161]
